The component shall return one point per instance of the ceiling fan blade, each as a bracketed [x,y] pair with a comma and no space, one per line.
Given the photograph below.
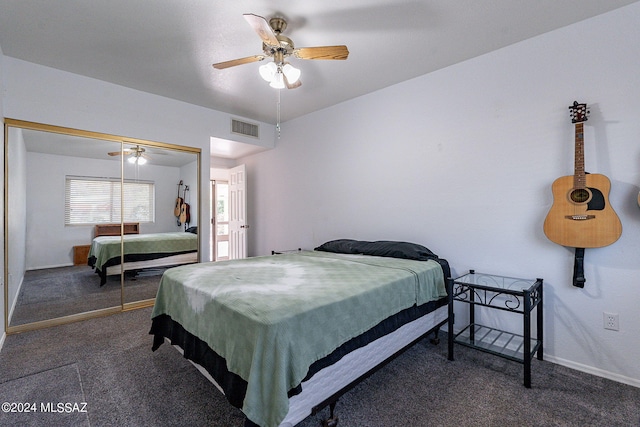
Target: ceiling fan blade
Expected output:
[126,151]
[240,61]
[298,83]
[322,52]
[262,27]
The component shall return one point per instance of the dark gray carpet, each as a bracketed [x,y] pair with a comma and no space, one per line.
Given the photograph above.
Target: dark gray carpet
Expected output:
[56,292]
[63,383]
[126,384]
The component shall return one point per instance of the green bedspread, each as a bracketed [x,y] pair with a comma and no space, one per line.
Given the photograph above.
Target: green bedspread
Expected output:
[105,248]
[272,317]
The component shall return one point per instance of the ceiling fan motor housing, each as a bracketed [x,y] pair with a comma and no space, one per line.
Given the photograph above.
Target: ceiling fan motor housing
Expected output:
[278,24]
[284,48]
[280,52]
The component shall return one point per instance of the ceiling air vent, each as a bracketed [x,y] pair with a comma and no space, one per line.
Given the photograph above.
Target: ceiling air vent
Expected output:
[244,128]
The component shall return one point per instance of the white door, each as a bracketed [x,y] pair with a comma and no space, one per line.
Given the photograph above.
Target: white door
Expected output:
[238,212]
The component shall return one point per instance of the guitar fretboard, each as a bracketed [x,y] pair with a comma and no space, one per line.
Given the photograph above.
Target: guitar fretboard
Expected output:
[579,179]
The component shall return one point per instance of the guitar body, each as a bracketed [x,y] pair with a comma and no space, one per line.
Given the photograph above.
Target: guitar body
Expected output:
[184,216]
[184,213]
[178,208]
[583,217]
[179,202]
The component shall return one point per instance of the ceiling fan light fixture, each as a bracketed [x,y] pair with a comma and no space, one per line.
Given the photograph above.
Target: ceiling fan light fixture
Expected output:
[134,158]
[292,73]
[275,74]
[267,71]
[278,80]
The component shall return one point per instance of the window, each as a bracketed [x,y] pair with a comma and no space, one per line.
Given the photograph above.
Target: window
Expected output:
[97,201]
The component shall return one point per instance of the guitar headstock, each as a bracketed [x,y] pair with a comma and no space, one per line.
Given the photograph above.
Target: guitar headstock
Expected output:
[578,112]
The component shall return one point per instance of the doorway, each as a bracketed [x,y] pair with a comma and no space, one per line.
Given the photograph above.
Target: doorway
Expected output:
[220,220]
[228,213]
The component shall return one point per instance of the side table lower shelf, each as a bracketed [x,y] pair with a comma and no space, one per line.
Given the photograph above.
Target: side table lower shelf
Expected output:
[495,341]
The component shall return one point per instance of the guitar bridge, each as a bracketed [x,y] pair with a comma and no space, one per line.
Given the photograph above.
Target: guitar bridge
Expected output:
[580,217]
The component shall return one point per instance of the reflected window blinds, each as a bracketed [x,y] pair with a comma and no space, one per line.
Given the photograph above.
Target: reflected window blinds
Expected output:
[98,201]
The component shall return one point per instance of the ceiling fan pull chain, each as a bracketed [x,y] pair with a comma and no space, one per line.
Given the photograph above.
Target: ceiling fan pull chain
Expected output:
[278,115]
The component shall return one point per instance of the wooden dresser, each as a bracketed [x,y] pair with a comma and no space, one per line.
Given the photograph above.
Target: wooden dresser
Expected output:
[81,254]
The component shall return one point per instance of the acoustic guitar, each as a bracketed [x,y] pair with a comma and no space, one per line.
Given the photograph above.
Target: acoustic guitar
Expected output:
[581,216]
[179,202]
[185,214]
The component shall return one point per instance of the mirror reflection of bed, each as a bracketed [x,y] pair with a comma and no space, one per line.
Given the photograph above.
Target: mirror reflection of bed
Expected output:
[47,269]
[145,255]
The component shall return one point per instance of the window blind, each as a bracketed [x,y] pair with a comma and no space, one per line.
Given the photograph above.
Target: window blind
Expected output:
[97,200]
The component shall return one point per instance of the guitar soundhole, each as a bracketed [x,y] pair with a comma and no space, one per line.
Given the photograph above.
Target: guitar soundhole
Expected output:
[580,195]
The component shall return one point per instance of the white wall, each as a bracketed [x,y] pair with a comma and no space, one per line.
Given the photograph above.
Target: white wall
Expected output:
[462,160]
[41,94]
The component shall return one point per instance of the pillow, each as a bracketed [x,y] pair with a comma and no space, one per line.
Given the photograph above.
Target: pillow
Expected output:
[340,246]
[392,249]
[382,248]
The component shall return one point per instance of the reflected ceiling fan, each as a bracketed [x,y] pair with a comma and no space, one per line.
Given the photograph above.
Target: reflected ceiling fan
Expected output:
[280,73]
[136,154]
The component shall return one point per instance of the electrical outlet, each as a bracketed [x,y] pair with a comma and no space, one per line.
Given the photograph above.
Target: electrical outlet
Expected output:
[611,321]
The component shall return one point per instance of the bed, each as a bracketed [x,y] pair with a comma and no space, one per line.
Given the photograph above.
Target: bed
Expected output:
[141,251]
[283,336]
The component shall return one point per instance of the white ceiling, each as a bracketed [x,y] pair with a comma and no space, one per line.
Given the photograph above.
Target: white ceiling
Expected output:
[91,148]
[167,47]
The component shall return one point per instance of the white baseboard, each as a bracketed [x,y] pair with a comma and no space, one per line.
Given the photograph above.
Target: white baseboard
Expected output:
[594,371]
[2,337]
[15,299]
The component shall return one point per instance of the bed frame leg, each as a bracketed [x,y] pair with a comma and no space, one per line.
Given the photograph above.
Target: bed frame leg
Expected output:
[435,340]
[332,421]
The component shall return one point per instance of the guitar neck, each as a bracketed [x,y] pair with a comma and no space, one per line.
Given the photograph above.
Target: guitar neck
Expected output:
[579,178]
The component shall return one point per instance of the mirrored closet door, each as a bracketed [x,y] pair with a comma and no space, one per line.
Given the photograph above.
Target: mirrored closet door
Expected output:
[157,239]
[65,190]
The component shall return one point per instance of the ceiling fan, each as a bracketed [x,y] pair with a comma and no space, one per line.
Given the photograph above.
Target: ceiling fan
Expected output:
[281,73]
[136,154]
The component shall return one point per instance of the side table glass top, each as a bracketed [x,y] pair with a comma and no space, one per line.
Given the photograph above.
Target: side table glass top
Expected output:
[496,282]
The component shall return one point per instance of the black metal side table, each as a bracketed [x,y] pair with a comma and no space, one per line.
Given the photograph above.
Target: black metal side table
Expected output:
[510,294]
